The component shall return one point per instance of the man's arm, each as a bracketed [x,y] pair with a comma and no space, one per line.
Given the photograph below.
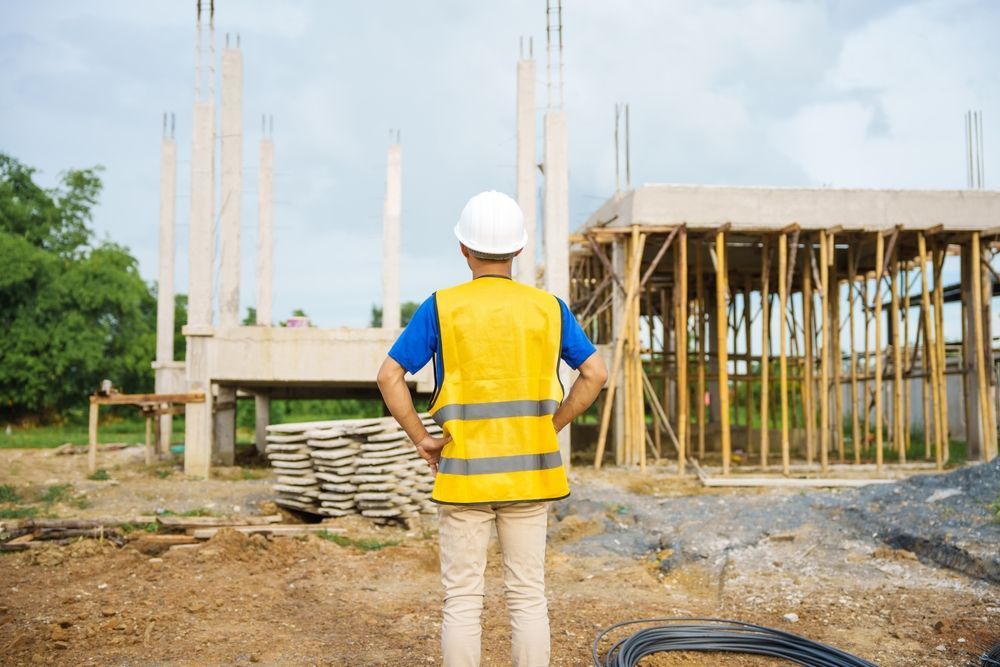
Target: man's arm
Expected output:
[593,375]
[396,395]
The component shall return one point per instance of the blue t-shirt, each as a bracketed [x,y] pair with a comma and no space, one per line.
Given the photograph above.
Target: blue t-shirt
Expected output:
[421,340]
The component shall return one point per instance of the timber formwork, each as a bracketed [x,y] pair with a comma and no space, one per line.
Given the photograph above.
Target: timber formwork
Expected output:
[732,334]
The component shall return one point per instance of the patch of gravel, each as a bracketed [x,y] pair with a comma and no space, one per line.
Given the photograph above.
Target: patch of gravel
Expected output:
[945,519]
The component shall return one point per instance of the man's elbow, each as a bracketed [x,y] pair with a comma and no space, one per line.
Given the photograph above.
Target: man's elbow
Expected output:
[386,375]
[595,370]
[601,374]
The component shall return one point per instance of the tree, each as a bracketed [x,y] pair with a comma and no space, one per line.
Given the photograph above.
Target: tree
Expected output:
[406,310]
[72,310]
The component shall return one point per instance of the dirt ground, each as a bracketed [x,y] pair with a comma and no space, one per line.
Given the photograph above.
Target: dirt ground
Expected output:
[308,601]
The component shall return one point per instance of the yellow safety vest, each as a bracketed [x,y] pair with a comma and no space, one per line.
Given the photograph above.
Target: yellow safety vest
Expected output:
[500,348]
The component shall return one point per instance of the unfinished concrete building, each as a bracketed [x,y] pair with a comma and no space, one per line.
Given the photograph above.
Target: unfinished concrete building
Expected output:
[789,323]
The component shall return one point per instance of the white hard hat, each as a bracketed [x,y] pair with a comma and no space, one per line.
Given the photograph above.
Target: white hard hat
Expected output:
[492,223]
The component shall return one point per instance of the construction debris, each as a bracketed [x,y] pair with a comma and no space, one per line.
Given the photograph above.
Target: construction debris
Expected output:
[354,466]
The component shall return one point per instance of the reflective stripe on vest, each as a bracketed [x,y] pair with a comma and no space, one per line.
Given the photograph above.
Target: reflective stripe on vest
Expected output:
[500,348]
[494,410]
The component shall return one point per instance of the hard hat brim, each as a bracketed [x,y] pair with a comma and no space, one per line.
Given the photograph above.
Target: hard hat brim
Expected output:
[478,247]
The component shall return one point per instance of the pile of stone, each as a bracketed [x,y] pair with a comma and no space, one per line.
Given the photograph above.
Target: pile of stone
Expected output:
[352,466]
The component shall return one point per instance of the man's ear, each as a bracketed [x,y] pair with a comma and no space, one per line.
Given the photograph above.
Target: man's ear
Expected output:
[465,251]
[518,252]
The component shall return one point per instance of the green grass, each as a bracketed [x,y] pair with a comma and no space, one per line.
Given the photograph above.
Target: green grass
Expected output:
[57,493]
[99,475]
[364,543]
[115,429]
[151,527]
[197,511]
[28,512]
[996,509]
[8,494]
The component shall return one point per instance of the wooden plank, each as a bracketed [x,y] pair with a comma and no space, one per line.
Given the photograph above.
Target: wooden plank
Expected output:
[942,360]
[907,359]
[135,399]
[793,483]
[184,522]
[748,403]
[838,386]
[616,364]
[855,421]
[287,529]
[721,294]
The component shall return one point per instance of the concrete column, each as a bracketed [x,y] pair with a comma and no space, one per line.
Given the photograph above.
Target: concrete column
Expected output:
[265,255]
[230,187]
[198,416]
[556,205]
[391,214]
[262,419]
[526,166]
[265,223]
[165,284]
[225,426]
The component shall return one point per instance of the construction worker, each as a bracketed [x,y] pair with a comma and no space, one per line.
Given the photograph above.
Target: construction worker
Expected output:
[496,346]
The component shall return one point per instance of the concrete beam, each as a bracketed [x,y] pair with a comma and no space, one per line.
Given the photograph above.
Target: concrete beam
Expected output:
[391,213]
[772,209]
[526,168]
[265,225]
[165,281]
[230,187]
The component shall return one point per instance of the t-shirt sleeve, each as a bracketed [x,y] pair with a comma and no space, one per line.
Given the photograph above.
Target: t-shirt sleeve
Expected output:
[576,347]
[416,345]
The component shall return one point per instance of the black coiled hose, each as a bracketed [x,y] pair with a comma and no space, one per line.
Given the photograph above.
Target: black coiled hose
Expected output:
[712,634]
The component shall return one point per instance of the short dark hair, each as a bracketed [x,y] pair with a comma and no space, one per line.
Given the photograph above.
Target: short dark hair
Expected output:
[492,257]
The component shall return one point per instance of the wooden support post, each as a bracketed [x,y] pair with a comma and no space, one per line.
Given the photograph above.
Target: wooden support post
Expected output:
[616,363]
[92,437]
[985,421]
[657,425]
[879,260]
[925,309]
[683,391]
[838,387]
[149,438]
[824,361]
[699,278]
[898,430]
[867,368]
[855,421]
[942,359]
[748,402]
[782,347]
[721,293]
[907,359]
[765,342]
[808,337]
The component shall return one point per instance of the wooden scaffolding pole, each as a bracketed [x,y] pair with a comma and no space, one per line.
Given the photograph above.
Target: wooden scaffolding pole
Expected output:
[721,292]
[867,369]
[824,362]
[855,421]
[683,391]
[616,363]
[765,342]
[782,347]
[808,338]
[925,309]
[942,359]
[879,259]
[985,421]
[898,430]
[664,370]
[907,359]
[699,278]
[838,387]
[749,409]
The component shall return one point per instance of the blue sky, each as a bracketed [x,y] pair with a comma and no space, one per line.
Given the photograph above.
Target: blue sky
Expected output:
[849,93]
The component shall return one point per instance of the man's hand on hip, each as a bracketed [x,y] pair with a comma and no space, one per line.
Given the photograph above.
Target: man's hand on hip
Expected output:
[430,450]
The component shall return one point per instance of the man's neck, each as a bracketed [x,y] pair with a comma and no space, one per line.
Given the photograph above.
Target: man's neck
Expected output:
[485,268]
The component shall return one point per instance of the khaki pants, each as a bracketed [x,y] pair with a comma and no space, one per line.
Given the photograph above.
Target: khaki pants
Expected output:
[465,534]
